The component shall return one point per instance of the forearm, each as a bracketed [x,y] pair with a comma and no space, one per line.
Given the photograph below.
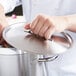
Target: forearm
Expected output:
[71,20]
[3,21]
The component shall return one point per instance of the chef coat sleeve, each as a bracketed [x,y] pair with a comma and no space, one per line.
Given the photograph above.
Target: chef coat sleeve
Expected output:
[9,5]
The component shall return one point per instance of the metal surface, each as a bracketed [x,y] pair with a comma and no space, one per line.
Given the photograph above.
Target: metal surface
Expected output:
[41,51]
[10,64]
[17,36]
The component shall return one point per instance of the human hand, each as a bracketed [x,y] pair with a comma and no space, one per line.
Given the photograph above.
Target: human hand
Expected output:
[45,26]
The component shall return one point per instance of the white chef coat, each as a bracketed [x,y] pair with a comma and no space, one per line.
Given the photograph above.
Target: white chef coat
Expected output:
[65,64]
[9,5]
[50,7]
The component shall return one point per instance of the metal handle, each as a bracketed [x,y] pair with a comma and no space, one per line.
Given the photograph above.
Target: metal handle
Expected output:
[47,59]
[70,42]
[68,38]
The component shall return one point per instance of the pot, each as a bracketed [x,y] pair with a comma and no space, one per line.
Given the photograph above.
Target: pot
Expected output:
[14,62]
[10,62]
[30,56]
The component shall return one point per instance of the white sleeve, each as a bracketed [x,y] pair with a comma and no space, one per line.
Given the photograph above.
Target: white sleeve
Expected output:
[9,5]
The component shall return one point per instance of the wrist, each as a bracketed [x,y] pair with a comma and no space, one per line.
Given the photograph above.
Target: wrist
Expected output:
[71,20]
[68,23]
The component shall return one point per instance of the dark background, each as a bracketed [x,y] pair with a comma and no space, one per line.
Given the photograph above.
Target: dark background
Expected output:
[17,11]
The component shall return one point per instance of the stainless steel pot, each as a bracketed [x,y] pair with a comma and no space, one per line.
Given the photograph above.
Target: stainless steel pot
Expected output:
[34,62]
[10,62]
[14,62]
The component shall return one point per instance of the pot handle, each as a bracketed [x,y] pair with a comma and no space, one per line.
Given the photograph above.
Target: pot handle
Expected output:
[68,38]
[70,42]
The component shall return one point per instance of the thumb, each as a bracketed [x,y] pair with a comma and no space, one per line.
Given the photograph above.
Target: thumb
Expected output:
[27,26]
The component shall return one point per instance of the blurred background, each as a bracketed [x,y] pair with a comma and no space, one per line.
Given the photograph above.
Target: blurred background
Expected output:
[17,11]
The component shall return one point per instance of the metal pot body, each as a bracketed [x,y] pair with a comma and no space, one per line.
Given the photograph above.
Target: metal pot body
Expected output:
[11,62]
[17,63]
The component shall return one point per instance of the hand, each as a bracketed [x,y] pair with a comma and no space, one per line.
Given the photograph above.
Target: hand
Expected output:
[45,26]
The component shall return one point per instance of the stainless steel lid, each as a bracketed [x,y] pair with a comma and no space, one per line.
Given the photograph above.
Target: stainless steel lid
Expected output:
[22,39]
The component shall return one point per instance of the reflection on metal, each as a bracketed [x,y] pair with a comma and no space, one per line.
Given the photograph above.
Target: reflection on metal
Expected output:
[46,59]
[35,44]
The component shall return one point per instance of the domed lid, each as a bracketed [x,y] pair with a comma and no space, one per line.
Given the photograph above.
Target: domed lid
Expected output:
[24,40]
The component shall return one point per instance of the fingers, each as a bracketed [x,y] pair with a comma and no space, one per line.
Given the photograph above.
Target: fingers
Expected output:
[49,32]
[34,23]
[27,26]
[44,28]
[41,26]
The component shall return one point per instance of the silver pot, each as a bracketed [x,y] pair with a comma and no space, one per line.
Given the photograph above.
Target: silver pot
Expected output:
[32,63]
[17,63]
[10,62]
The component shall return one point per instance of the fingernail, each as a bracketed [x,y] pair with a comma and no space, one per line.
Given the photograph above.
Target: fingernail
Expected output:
[27,26]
